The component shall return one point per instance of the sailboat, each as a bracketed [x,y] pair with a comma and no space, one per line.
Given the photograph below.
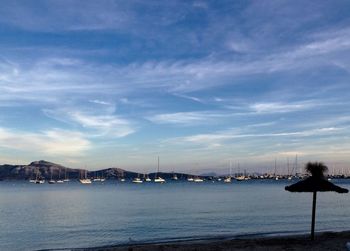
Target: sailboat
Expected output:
[38,180]
[174,177]
[147,178]
[66,179]
[158,179]
[51,181]
[31,180]
[59,181]
[229,178]
[102,179]
[122,179]
[198,179]
[137,180]
[85,180]
[97,178]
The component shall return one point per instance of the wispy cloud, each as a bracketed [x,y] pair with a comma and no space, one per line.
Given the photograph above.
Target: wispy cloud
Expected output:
[185,118]
[49,142]
[232,134]
[283,107]
[99,125]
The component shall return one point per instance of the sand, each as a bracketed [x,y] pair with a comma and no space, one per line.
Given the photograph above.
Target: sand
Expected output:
[330,241]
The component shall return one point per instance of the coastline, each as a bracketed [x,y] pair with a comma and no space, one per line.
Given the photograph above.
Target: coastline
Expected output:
[324,241]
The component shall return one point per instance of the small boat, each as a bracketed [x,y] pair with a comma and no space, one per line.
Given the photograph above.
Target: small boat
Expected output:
[121,177]
[159,180]
[39,181]
[174,177]
[32,181]
[85,181]
[228,179]
[190,179]
[98,179]
[147,178]
[198,179]
[137,180]
[240,178]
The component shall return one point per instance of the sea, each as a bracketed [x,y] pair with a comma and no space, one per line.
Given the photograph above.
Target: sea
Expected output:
[72,215]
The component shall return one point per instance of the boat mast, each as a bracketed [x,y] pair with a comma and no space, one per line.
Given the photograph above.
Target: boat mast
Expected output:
[158,167]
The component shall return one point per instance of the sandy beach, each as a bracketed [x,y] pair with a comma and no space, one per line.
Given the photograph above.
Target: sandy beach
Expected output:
[333,241]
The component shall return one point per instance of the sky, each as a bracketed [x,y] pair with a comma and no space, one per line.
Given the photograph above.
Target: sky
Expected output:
[201,84]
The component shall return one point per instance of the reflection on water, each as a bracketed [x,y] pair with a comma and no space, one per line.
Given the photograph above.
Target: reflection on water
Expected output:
[74,215]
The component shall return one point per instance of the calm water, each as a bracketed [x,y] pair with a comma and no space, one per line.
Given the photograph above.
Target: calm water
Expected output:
[73,215]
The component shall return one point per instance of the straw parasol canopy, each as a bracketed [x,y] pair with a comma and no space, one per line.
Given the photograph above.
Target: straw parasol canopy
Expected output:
[317,182]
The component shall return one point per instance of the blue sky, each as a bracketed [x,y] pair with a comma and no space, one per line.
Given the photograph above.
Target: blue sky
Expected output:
[199,83]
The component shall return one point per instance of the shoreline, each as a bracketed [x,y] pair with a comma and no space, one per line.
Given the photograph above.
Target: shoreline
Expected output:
[324,241]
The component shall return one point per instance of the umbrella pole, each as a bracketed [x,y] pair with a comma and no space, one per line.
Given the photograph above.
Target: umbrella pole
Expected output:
[313,215]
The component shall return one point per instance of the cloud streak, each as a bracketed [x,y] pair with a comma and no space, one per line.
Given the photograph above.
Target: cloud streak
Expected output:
[54,142]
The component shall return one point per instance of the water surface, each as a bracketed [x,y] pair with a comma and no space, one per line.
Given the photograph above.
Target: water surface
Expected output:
[70,215]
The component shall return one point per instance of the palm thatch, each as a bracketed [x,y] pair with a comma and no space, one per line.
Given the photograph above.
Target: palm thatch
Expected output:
[317,182]
[316,169]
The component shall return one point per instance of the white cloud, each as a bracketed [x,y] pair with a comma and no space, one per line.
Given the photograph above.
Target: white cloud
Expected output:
[53,79]
[50,142]
[184,118]
[100,102]
[282,107]
[220,137]
[100,125]
[106,124]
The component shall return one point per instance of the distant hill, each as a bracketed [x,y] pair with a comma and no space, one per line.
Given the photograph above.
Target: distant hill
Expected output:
[40,169]
[44,169]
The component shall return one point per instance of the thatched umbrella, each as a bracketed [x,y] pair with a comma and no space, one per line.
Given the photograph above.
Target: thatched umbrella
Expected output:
[317,182]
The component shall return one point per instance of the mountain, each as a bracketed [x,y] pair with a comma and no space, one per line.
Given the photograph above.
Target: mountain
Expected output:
[44,169]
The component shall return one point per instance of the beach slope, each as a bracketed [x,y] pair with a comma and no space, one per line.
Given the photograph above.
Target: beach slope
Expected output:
[326,241]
